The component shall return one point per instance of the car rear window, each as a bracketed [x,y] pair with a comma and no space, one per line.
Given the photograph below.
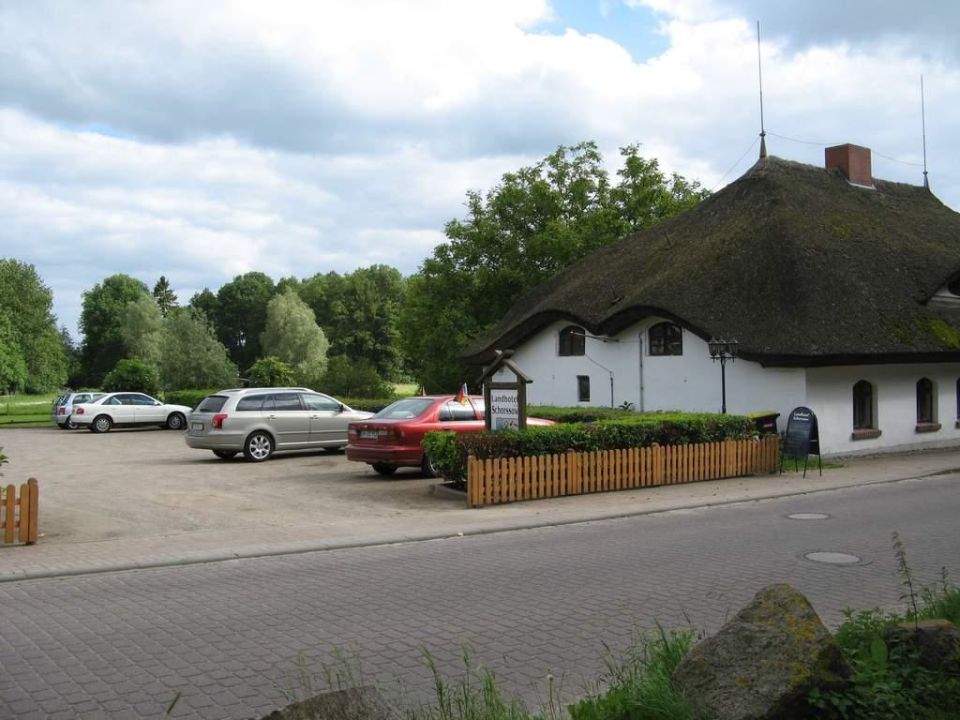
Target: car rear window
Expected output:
[253,402]
[212,403]
[405,409]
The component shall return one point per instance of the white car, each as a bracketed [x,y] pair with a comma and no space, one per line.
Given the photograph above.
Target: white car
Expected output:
[127,409]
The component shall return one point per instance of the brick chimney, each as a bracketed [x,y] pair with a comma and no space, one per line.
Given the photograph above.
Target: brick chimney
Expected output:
[853,161]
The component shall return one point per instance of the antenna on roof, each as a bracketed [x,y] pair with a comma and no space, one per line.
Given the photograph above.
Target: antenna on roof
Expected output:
[923,121]
[763,134]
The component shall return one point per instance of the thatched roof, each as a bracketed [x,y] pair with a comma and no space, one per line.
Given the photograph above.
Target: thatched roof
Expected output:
[799,265]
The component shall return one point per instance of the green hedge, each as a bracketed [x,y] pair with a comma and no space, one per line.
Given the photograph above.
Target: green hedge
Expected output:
[578,414]
[368,404]
[190,398]
[449,451]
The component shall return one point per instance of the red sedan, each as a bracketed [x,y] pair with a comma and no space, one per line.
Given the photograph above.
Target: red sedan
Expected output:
[392,438]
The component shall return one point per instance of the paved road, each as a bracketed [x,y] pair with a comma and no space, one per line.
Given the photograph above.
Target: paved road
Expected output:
[532,602]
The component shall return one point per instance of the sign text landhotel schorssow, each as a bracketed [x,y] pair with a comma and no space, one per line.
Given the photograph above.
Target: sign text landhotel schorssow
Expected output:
[504,409]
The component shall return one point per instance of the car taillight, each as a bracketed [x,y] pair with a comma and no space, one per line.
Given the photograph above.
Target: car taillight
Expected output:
[217,423]
[79,411]
[61,411]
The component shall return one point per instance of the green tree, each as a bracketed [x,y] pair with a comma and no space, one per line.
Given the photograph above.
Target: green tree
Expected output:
[191,357]
[30,329]
[13,368]
[292,335]
[164,296]
[134,376]
[242,315]
[72,354]
[533,224]
[141,325]
[270,371]
[206,302]
[101,320]
[359,312]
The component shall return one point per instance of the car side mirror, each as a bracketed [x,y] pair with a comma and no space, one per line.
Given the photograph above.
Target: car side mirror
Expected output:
[341,407]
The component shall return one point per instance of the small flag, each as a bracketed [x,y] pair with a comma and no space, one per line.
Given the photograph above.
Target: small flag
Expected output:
[463,397]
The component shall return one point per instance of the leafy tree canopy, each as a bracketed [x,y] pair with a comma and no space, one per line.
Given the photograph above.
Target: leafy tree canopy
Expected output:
[292,335]
[133,376]
[241,315]
[270,371]
[141,323]
[359,312]
[191,356]
[29,330]
[164,296]
[101,320]
[534,223]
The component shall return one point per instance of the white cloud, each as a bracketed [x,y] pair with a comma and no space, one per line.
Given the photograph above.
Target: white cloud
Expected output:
[203,140]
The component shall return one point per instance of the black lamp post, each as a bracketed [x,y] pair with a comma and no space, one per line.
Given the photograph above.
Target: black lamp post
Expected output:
[723,350]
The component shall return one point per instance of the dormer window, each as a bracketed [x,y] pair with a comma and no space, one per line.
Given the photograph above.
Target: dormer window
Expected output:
[666,338]
[573,341]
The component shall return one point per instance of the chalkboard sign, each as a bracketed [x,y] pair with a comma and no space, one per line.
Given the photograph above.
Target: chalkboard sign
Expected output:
[802,437]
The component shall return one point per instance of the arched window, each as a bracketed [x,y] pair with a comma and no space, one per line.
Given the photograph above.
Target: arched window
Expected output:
[573,339]
[666,339]
[863,406]
[926,408]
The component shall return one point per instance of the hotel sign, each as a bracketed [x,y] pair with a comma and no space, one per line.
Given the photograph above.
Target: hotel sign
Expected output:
[505,403]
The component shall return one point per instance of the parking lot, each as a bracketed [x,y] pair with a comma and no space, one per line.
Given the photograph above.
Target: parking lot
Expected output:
[135,486]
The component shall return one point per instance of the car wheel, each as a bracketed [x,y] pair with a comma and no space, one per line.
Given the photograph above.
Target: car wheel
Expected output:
[176,421]
[64,426]
[101,424]
[384,469]
[225,454]
[426,467]
[70,424]
[259,447]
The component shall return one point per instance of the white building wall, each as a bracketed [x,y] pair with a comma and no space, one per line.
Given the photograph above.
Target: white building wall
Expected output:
[692,382]
[830,396]
[686,382]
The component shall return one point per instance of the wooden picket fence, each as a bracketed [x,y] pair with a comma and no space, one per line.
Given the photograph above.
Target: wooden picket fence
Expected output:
[503,480]
[19,514]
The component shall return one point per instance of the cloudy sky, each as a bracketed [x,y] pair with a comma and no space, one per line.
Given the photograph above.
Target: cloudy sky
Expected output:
[203,140]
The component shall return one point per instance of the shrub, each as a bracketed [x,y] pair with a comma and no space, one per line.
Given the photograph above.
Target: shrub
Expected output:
[368,404]
[270,371]
[134,376]
[578,414]
[190,398]
[354,378]
[639,430]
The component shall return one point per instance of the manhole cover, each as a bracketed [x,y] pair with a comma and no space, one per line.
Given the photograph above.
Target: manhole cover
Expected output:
[833,558]
[808,516]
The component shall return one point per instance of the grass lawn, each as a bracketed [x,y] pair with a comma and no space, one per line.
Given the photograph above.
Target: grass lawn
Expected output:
[36,407]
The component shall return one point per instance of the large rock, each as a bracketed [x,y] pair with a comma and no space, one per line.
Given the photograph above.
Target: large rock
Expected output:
[360,703]
[764,662]
[935,642]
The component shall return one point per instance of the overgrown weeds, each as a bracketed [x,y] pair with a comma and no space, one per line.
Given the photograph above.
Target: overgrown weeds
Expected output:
[890,679]
[639,684]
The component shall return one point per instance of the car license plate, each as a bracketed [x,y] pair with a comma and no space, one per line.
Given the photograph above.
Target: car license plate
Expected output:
[196,426]
[369,434]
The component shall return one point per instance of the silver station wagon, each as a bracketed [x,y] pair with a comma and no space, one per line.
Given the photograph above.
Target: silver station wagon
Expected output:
[261,421]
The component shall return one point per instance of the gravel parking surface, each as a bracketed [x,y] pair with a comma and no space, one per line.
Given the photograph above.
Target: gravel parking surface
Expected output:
[145,482]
